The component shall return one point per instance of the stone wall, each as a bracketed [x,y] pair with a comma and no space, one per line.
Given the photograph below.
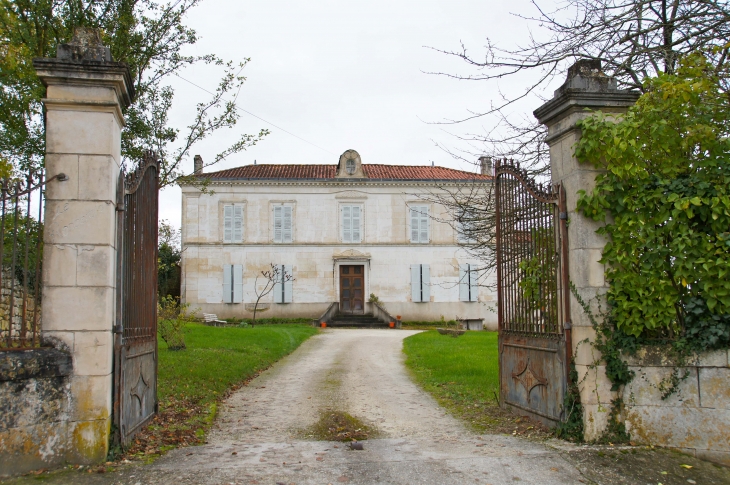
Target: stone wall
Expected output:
[5,289]
[694,419]
[35,424]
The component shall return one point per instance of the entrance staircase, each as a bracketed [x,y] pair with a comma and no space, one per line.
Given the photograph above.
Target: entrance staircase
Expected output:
[356,321]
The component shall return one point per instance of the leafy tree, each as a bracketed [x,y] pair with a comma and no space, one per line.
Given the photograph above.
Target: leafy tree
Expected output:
[168,260]
[667,191]
[150,37]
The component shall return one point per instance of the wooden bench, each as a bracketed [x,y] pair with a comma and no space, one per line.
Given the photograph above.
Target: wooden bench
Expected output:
[212,319]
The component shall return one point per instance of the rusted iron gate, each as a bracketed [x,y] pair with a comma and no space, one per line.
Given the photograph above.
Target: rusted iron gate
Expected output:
[534,333]
[21,249]
[135,340]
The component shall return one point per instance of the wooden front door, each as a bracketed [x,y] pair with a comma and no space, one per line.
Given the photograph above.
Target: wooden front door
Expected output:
[352,289]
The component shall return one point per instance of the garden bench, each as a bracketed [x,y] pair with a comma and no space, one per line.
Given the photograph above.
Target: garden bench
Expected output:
[212,318]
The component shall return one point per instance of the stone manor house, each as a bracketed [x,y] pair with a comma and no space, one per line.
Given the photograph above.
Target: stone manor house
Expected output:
[342,231]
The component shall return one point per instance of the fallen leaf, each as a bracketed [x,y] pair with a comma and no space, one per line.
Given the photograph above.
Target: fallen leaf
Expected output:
[688,467]
[554,469]
[319,458]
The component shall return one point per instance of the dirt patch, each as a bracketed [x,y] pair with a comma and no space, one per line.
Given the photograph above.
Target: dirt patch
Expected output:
[339,426]
[641,465]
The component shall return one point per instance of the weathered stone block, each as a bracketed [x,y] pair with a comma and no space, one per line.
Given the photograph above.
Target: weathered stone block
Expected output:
[33,447]
[66,164]
[59,264]
[33,364]
[714,388]
[88,441]
[585,269]
[714,358]
[683,427]
[594,385]
[595,420]
[584,352]
[81,132]
[62,311]
[33,401]
[98,178]
[80,222]
[96,266]
[650,383]
[93,353]
[92,398]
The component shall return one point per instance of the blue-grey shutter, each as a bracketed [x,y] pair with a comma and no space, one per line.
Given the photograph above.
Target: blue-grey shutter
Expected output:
[414,225]
[227,280]
[424,225]
[425,282]
[286,225]
[346,224]
[278,288]
[415,282]
[463,282]
[278,223]
[356,221]
[289,284]
[237,223]
[227,223]
[237,283]
[473,284]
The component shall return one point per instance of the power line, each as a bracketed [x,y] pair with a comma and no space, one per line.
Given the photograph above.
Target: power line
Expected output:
[258,117]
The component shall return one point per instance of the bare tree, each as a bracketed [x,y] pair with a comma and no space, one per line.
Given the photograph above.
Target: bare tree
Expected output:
[271,277]
[633,39]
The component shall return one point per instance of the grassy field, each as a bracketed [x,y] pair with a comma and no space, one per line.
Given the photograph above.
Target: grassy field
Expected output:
[191,382]
[462,374]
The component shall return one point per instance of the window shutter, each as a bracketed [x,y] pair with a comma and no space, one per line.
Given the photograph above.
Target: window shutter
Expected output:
[346,224]
[288,285]
[277,224]
[227,223]
[473,285]
[237,283]
[424,225]
[414,225]
[425,282]
[463,282]
[227,279]
[416,282]
[356,224]
[286,225]
[237,223]
[278,297]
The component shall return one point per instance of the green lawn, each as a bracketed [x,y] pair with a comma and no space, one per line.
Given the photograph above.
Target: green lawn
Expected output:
[191,382]
[463,375]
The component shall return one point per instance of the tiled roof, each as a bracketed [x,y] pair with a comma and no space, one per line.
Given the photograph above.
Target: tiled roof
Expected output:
[373,171]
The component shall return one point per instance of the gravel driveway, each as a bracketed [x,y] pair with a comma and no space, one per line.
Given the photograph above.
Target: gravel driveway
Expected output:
[256,437]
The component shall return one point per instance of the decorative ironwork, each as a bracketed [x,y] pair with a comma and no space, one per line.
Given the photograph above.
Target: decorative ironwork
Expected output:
[531,280]
[135,367]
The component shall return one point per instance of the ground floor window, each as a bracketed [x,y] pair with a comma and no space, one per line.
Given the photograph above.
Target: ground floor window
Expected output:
[420,283]
[232,283]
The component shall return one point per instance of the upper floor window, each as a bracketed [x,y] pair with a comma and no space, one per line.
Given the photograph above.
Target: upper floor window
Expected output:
[351,223]
[282,224]
[233,223]
[419,224]
[466,226]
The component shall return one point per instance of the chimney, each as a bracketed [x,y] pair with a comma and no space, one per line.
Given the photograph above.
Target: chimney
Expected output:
[485,165]
[197,164]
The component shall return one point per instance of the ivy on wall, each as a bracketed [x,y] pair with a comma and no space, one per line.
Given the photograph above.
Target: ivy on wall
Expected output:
[665,198]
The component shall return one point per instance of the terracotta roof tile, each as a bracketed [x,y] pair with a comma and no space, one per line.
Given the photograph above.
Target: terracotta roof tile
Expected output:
[373,171]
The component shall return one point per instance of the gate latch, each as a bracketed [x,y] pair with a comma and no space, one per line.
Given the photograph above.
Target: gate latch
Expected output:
[117,328]
[567,325]
[563,215]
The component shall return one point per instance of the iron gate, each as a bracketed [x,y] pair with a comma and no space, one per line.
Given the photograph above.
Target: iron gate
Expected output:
[135,340]
[534,333]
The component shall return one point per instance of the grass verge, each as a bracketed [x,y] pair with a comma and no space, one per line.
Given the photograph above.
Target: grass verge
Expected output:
[462,374]
[193,381]
[339,426]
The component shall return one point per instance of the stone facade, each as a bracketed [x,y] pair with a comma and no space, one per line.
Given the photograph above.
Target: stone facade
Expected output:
[317,248]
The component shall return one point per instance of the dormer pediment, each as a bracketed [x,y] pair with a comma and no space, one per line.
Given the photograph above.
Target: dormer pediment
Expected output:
[350,166]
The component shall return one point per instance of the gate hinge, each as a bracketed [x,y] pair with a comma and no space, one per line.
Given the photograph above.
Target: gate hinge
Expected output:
[117,328]
[121,208]
[567,325]
[563,215]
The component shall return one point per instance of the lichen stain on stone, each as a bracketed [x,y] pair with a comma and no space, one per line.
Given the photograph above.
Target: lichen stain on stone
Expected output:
[89,440]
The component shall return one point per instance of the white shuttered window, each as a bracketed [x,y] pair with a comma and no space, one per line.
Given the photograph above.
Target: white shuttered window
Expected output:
[283,291]
[233,223]
[420,283]
[351,223]
[468,284]
[283,224]
[232,283]
[419,224]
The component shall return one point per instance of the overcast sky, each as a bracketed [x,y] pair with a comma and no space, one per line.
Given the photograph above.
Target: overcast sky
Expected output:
[347,75]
